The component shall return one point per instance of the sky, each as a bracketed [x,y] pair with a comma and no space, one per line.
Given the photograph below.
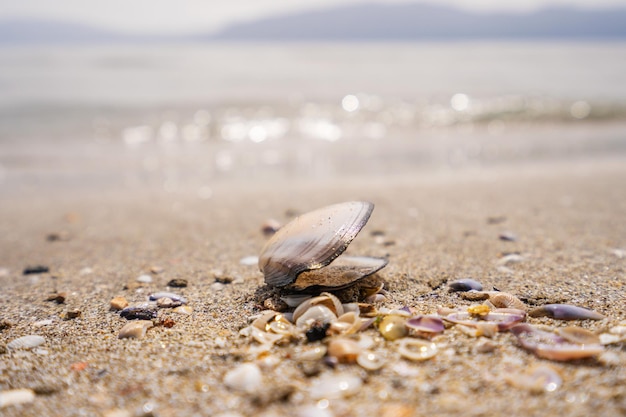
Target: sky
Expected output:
[193,16]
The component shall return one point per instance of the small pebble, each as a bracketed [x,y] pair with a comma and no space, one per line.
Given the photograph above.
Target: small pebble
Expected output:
[187,310]
[246,377]
[465,284]
[138,313]
[135,329]
[118,303]
[72,314]
[58,298]
[270,226]
[61,236]
[156,269]
[38,269]
[508,236]
[16,396]
[249,260]
[177,283]
[145,279]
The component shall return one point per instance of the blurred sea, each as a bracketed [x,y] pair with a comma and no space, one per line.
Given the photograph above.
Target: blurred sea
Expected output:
[182,116]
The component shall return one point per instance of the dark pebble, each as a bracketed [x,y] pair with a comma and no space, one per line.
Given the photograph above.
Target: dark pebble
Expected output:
[466,284]
[58,298]
[317,332]
[508,236]
[138,313]
[38,269]
[177,283]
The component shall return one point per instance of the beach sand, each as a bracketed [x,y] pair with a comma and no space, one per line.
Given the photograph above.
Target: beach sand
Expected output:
[568,217]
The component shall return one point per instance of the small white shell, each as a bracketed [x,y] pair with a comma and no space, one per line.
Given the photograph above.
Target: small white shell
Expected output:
[416,349]
[16,396]
[26,342]
[335,385]
[370,360]
[320,314]
[135,329]
[312,354]
[246,377]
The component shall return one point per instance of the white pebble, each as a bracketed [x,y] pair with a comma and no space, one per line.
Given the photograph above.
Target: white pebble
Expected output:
[337,385]
[249,260]
[135,329]
[16,396]
[145,278]
[26,342]
[246,377]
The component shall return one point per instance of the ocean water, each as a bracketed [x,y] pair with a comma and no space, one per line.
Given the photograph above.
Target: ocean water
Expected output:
[179,115]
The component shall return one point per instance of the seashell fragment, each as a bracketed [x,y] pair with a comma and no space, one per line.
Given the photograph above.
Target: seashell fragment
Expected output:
[135,329]
[542,378]
[26,342]
[370,361]
[344,350]
[565,312]
[174,297]
[393,327]
[578,335]
[246,377]
[16,396]
[314,240]
[504,320]
[506,300]
[551,346]
[465,284]
[416,349]
[425,324]
[335,385]
[316,314]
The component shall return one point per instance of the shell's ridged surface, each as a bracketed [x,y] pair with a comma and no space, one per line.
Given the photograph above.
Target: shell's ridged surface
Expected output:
[312,241]
[26,342]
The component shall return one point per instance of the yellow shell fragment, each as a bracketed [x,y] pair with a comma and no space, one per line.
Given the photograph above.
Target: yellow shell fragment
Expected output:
[479,310]
[393,327]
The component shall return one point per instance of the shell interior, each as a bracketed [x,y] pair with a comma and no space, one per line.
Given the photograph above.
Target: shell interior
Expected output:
[312,241]
[343,272]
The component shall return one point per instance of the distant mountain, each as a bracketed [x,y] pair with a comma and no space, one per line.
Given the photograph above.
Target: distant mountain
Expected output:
[417,21]
[386,22]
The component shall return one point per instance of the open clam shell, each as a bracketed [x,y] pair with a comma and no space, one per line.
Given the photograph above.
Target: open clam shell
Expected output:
[310,242]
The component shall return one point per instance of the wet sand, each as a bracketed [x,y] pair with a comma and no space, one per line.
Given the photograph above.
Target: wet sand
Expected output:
[569,219]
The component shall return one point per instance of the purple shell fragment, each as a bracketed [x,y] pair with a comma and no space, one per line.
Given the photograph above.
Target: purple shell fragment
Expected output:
[465,284]
[426,324]
[551,346]
[565,312]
